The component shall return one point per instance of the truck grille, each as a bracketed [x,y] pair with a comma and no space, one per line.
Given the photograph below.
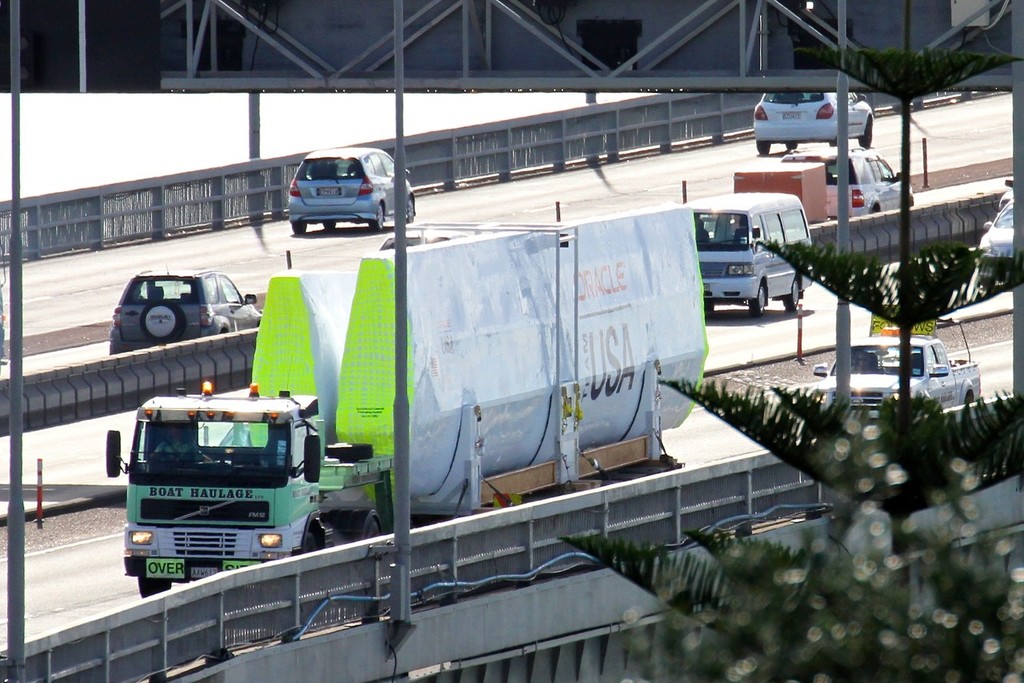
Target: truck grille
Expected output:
[866,398]
[206,543]
[204,511]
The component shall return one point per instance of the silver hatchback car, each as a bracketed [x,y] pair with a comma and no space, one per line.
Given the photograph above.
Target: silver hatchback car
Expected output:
[347,185]
[159,308]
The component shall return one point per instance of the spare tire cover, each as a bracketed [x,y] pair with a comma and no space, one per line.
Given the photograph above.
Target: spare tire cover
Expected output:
[163,322]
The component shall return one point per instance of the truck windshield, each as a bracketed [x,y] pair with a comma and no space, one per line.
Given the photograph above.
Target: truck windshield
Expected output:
[248,448]
[721,231]
[883,360]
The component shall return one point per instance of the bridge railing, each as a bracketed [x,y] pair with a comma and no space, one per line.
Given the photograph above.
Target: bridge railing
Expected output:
[256,191]
[276,601]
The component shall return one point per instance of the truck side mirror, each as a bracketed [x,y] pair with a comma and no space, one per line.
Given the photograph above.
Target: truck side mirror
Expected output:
[939,371]
[114,465]
[311,458]
[821,370]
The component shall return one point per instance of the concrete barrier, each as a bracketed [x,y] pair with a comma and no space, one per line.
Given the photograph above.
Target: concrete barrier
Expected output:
[878,234]
[121,383]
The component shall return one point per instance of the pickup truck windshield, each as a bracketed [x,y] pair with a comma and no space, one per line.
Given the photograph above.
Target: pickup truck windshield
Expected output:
[883,360]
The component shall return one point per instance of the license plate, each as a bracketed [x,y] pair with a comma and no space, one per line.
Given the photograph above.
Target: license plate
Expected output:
[202,572]
[789,115]
[328,191]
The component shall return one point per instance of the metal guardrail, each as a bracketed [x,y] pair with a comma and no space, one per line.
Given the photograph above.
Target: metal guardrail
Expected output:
[265,603]
[255,192]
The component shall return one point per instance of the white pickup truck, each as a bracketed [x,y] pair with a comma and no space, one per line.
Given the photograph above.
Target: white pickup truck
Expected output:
[874,372]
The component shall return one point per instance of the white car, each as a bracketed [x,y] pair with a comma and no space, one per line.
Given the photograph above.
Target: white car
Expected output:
[874,186]
[998,238]
[1007,196]
[789,118]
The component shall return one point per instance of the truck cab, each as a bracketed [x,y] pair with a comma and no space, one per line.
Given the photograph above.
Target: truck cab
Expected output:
[218,482]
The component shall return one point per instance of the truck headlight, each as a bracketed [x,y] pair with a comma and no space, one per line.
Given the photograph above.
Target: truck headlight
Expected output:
[142,537]
[270,540]
[739,269]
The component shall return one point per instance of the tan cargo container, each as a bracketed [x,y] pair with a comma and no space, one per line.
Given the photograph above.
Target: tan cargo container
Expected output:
[805,180]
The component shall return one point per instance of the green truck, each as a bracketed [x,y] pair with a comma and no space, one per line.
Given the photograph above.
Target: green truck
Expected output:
[221,482]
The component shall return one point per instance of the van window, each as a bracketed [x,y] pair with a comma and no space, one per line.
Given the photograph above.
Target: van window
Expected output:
[771,227]
[794,225]
[722,230]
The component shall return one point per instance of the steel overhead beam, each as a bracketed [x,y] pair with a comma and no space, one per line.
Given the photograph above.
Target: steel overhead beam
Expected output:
[513,45]
[542,83]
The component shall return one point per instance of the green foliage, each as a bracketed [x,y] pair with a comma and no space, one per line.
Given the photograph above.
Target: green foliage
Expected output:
[907,75]
[889,601]
[941,278]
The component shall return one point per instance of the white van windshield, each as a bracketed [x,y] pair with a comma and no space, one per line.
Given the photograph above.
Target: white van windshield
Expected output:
[722,231]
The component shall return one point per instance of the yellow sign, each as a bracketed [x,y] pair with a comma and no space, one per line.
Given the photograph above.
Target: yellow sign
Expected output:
[880,325]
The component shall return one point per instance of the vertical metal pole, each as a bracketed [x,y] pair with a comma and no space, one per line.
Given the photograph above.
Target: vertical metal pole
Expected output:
[1017,40]
[82,74]
[401,609]
[39,491]
[16,505]
[924,162]
[843,214]
[254,125]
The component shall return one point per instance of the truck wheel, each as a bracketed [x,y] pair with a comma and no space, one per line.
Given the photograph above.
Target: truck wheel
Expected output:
[148,586]
[969,398]
[309,544]
[355,525]
[791,300]
[759,302]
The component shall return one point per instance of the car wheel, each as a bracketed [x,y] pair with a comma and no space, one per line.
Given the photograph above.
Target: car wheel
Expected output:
[763,148]
[865,139]
[330,225]
[791,300]
[377,222]
[162,322]
[410,210]
[759,302]
[298,228]
[790,146]
[148,586]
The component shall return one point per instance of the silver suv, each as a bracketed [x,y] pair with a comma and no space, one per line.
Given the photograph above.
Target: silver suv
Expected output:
[159,308]
[874,186]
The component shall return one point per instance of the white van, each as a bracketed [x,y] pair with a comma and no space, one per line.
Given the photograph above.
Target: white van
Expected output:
[734,265]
